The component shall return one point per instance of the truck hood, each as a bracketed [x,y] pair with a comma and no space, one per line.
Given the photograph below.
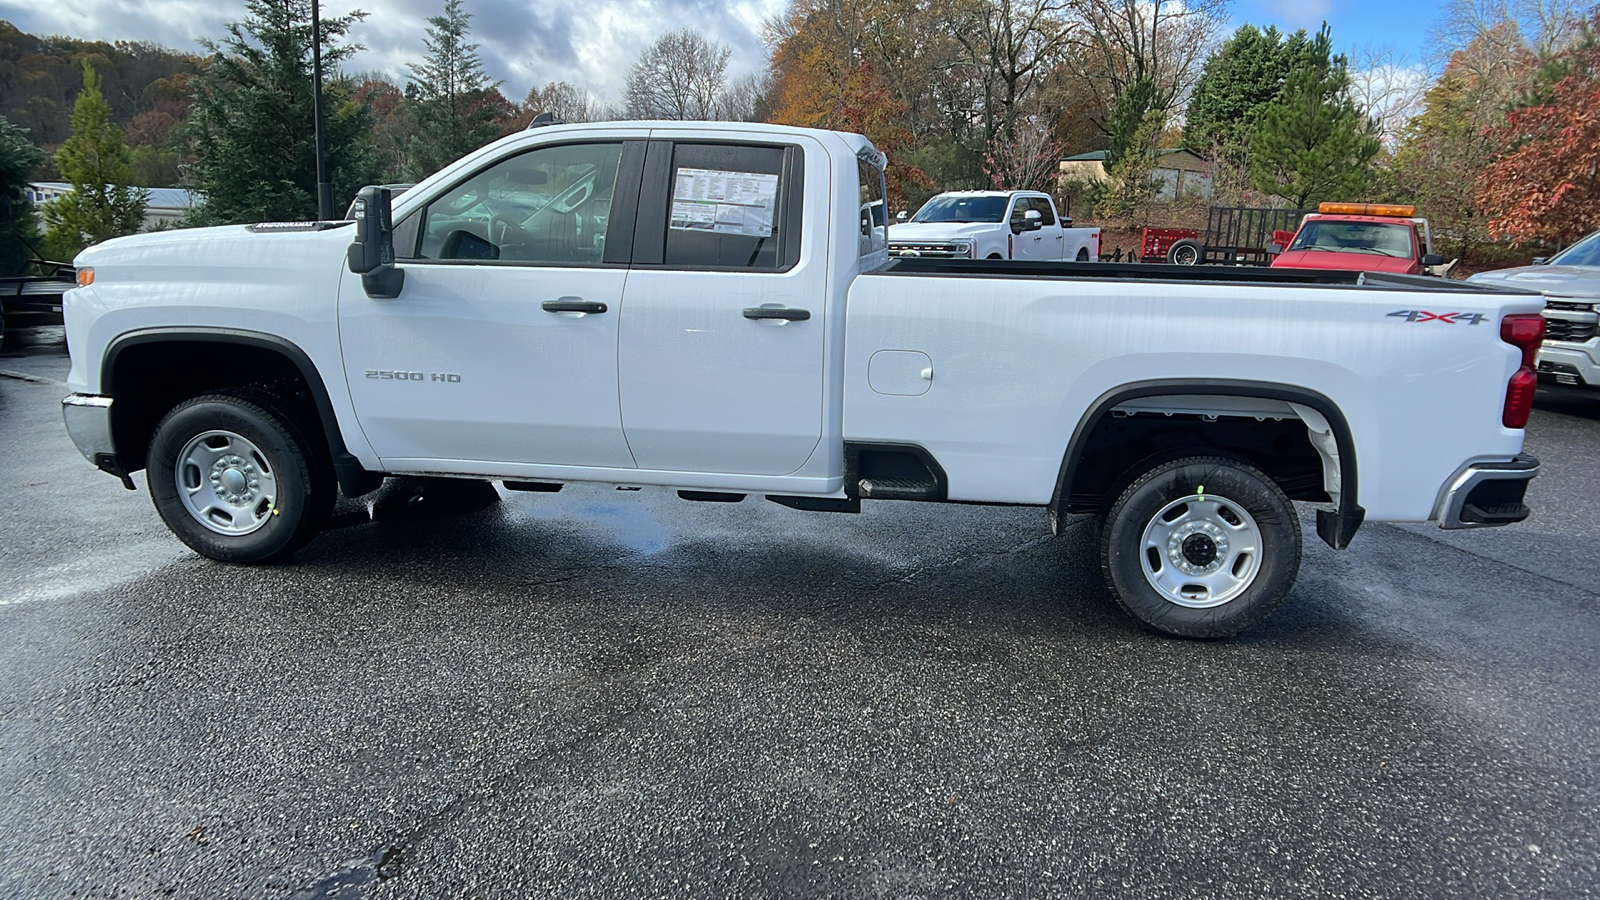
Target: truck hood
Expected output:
[941,231]
[274,245]
[1333,259]
[1557,281]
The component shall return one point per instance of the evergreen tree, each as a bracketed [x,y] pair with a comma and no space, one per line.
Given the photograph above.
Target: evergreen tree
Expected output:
[98,164]
[252,126]
[1238,81]
[456,107]
[1128,120]
[1312,142]
[18,157]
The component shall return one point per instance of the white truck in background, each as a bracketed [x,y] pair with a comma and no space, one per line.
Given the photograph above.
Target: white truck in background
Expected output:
[993,225]
[711,308]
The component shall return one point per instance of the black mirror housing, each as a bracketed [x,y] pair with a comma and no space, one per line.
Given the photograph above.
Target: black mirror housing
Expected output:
[371,254]
[1432,259]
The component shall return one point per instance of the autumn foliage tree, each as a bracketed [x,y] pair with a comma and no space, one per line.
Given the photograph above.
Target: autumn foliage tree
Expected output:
[1547,188]
[815,90]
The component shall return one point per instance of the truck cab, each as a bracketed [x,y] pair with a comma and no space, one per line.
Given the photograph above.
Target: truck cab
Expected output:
[993,225]
[1367,237]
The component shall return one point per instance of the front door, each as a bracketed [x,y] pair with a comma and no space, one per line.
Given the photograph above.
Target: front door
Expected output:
[502,346]
[723,318]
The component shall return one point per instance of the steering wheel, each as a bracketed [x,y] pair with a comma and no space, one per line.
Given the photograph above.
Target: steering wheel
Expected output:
[509,228]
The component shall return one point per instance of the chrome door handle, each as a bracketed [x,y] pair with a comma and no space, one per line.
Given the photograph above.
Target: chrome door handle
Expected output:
[777,312]
[573,304]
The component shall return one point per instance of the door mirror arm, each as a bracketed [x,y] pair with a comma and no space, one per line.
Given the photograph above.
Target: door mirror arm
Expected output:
[371,254]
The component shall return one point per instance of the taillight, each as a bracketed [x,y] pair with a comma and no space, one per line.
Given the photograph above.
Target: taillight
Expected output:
[1526,333]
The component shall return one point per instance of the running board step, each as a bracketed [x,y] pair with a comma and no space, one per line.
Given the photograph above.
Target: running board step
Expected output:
[819,504]
[539,487]
[711,497]
[897,489]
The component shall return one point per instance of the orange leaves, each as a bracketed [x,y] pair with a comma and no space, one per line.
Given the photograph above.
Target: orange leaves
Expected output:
[1547,188]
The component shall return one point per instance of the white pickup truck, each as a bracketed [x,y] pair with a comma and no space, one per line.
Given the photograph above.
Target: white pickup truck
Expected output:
[711,308]
[993,225]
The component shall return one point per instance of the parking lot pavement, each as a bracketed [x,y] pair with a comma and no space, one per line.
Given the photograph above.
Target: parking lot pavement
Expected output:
[603,694]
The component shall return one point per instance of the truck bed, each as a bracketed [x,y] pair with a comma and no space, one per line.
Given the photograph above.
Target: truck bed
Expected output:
[1157,272]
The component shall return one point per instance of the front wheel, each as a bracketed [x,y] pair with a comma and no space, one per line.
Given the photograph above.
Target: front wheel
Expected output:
[238,478]
[1201,547]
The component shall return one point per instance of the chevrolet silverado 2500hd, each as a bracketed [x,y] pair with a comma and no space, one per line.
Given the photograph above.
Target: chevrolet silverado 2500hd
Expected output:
[711,307]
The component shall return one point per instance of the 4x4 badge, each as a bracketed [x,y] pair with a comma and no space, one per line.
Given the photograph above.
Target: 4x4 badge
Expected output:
[1449,318]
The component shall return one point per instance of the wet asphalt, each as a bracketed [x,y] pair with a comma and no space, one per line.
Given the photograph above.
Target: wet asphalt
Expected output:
[611,694]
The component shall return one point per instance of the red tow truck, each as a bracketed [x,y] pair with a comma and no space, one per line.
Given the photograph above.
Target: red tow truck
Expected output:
[1370,237]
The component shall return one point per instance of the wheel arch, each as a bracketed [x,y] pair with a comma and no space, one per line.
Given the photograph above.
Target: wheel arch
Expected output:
[353,478]
[1336,527]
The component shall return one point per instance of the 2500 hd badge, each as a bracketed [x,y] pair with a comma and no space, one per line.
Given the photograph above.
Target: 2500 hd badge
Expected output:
[398,375]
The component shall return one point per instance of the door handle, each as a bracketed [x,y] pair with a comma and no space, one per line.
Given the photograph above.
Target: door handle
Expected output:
[573,304]
[777,312]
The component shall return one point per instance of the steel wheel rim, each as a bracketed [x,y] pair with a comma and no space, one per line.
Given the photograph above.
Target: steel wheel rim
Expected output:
[226,483]
[1200,551]
[1185,256]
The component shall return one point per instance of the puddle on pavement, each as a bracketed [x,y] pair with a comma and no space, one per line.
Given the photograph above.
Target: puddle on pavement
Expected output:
[354,877]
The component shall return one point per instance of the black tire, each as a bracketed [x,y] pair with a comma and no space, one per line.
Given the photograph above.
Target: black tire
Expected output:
[1185,252]
[995,256]
[304,485]
[1083,254]
[1230,486]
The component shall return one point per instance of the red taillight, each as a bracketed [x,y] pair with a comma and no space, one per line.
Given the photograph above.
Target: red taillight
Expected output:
[1519,398]
[1526,333]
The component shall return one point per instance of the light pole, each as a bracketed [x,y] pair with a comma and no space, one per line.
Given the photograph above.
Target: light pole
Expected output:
[324,187]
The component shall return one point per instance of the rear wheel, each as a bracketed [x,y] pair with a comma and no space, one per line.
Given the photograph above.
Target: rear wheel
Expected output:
[1083,254]
[237,477]
[1184,253]
[1201,547]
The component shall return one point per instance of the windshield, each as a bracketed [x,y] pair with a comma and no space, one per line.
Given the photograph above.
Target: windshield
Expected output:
[952,208]
[1584,253]
[1355,237]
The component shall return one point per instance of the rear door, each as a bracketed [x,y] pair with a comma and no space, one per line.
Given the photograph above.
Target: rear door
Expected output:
[720,357]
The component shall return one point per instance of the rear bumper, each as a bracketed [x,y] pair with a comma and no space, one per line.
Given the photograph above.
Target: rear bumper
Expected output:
[1487,494]
[88,419]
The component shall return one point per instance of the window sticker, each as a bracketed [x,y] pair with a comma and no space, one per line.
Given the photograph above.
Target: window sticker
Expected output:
[724,202]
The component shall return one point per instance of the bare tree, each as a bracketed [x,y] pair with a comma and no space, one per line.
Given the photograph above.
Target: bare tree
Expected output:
[680,76]
[1511,27]
[564,100]
[746,99]
[1117,43]
[1385,83]
[1011,45]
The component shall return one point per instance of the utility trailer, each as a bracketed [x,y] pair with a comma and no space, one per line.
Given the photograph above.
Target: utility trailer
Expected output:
[1234,236]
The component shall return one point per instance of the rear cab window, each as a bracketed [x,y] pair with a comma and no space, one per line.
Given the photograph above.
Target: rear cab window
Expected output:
[720,206]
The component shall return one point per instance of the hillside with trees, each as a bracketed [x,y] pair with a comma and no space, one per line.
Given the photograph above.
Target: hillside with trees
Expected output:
[1500,144]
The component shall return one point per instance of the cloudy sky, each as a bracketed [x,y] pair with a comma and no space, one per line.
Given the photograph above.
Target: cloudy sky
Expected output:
[592,43]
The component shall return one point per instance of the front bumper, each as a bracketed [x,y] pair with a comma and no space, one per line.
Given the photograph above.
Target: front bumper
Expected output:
[88,419]
[1570,364]
[1487,494]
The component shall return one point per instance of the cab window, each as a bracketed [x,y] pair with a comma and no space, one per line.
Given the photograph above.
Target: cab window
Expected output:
[550,205]
[874,213]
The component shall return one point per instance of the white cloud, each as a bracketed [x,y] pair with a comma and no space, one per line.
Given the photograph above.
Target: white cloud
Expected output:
[590,43]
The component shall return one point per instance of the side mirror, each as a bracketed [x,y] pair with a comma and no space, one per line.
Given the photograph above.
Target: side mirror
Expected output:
[1274,249]
[902,216]
[371,254]
[1032,220]
[1432,259]
[1541,260]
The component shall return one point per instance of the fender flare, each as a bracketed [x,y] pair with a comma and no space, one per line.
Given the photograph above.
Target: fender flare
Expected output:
[353,479]
[1336,527]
